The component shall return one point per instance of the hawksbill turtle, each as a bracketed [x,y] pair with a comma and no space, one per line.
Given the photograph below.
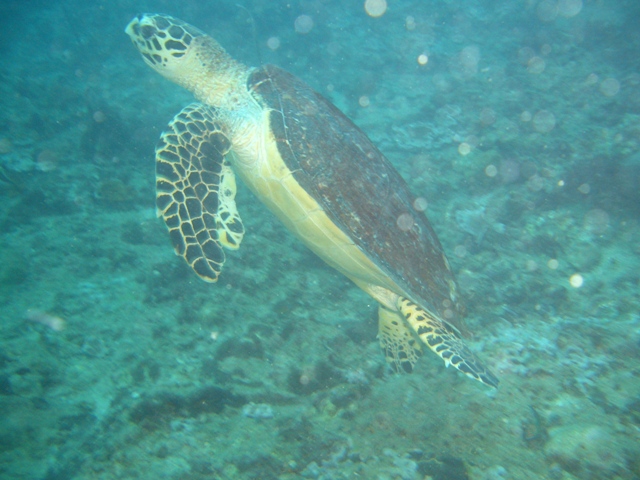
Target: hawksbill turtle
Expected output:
[315,170]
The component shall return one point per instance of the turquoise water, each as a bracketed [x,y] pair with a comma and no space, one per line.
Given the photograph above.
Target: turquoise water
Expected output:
[517,122]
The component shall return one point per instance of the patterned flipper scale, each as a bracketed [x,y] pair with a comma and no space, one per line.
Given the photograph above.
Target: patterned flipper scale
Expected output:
[196,188]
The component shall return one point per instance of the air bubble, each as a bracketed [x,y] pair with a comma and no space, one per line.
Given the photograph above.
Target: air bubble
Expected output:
[490,171]
[6,145]
[405,222]
[420,204]
[273,43]
[536,65]
[592,79]
[469,59]
[460,251]
[569,8]
[375,8]
[547,10]
[509,170]
[303,24]
[544,121]
[576,280]
[464,149]
[585,188]
[410,23]
[610,87]
[596,221]
[487,116]
[525,54]
[535,183]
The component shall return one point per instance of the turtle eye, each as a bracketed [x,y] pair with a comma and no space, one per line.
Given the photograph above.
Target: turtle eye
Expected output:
[147,31]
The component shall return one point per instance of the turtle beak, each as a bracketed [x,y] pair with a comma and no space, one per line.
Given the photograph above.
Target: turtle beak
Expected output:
[139,28]
[133,28]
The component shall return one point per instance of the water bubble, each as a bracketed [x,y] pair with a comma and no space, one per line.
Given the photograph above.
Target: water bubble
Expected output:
[526,116]
[375,8]
[509,130]
[469,59]
[553,264]
[464,149]
[423,59]
[6,145]
[470,56]
[405,222]
[592,79]
[576,280]
[488,116]
[472,140]
[525,54]
[333,48]
[46,161]
[420,204]
[99,116]
[490,171]
[273,43]
[410,23]
[460,251]
[585,188]
[441,83]
[303,24]
[535,183]
[609,87]
[569,8]
[364,101]
[547,10]
[544,121]
[509,171]
[536,65]
[528,169]
[596,221]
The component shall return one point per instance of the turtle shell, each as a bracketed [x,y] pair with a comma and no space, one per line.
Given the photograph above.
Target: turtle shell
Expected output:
[358,188]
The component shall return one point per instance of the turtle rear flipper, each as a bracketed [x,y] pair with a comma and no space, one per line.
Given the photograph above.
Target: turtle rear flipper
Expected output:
[196,188]
[443,340]
[399,344]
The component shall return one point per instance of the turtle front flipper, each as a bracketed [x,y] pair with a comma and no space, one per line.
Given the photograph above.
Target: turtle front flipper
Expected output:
[443,340]
[196,188]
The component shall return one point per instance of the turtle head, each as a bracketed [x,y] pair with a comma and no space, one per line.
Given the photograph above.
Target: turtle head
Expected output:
[163,41]
[180,52]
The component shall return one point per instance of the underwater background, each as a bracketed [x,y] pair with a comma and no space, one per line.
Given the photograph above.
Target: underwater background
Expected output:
[517,122]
